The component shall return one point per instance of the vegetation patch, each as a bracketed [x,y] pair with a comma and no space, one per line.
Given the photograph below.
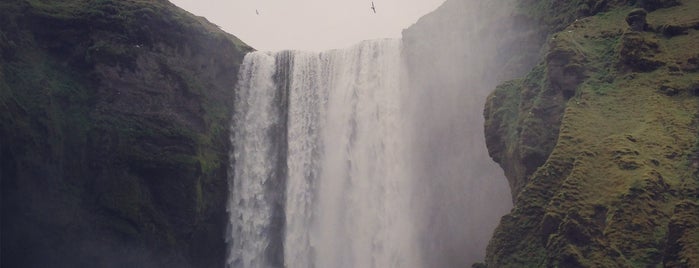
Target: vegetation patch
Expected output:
[621,171]
[114,130]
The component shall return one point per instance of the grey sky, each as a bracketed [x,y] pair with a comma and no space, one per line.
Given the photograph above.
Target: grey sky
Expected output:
[309,24]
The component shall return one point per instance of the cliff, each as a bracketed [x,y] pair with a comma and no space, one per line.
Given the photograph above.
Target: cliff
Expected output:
[599,141]
[114,145]
[113,134]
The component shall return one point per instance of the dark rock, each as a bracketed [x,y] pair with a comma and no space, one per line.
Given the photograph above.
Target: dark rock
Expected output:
[565,68]
[479,265]
[600,216]
[637,19]
[549,225]
[112,135]
[637,53]
[651,5]
[575,233]
[681,226]
[673,89]
[669,91]
[691,65]
[670,30]
[570,258]
[579,230]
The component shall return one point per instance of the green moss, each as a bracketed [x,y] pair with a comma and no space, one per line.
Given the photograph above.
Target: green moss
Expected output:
[88,162]
[606,193]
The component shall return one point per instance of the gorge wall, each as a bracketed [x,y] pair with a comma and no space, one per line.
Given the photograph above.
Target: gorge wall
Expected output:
[599,141]
[113,137]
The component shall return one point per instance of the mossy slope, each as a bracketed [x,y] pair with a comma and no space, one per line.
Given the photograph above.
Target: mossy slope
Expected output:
[599,142]
[113,130]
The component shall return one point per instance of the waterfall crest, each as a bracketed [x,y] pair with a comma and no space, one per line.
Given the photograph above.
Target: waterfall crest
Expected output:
[326,129]
[342,159]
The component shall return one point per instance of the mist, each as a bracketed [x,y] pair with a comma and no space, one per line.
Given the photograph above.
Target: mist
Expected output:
[452,59]
[378,151]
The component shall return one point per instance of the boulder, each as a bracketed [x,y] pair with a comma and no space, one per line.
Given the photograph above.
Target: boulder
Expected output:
[637,19]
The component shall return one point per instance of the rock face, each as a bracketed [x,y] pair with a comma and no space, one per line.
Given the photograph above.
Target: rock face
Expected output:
[599,142]
[113,134]
[637,19]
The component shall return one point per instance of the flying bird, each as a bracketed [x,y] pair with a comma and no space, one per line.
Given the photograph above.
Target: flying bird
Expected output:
[373,7]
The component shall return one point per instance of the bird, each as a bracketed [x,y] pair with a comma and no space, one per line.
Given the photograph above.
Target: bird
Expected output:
[257,12]
[373,7]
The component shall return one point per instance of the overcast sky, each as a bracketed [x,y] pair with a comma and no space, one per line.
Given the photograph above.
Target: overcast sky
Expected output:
[309,24]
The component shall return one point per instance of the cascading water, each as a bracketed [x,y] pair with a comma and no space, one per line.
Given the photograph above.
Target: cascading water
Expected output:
[332,126]
[249,207]
[342,160]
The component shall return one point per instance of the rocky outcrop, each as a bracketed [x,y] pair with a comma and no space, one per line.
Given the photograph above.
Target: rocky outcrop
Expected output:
[113,134]
[637,52]
[604,172]
[637,19]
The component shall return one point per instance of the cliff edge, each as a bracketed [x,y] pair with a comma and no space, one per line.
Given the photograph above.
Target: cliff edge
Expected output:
[599,141]
[113,134]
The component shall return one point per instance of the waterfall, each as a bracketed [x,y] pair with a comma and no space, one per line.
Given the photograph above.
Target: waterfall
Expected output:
[335,121]
[255,162]
[332,166]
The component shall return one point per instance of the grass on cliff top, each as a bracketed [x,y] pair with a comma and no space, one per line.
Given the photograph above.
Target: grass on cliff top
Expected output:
[121,25]
[132,14]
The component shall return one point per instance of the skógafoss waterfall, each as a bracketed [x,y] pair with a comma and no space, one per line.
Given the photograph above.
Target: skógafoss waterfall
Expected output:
[325,172]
